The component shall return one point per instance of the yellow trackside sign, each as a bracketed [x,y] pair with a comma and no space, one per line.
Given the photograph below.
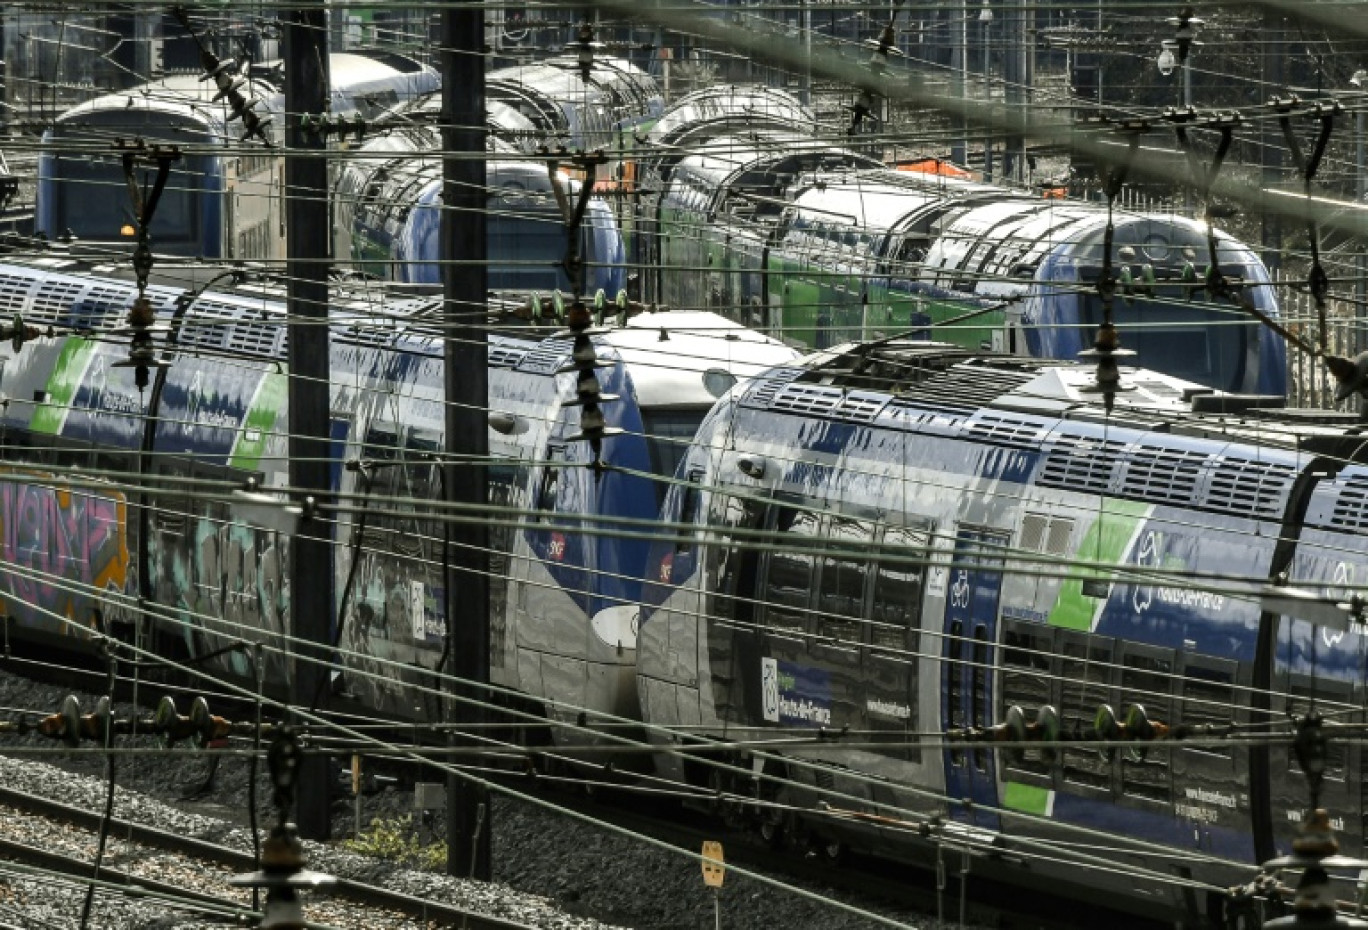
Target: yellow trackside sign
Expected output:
[713,869]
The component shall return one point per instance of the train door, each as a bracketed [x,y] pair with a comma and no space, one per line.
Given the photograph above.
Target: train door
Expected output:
[971,610]
[894,642]
[1316,669]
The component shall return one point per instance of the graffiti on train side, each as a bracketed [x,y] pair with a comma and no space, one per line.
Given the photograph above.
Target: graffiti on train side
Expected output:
[239,577]
[63,548]
[229,582]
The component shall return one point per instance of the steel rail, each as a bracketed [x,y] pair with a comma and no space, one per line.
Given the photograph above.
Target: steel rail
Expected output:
[359,892]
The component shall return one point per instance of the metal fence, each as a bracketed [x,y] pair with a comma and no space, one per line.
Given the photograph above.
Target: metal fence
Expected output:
[1309,384]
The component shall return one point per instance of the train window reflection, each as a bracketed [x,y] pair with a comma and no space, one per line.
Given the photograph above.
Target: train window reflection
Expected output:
[840,595]
[788,582]
[897,589]
[1147,681]
[668,433]
[93,201]
[1199,341]
[1026,682]
[1084,672]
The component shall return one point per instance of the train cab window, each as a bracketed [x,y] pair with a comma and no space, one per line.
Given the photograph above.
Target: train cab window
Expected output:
[897,591]
[841,584]
[788,580]
[910,256]
[733,564]
[1027,649]
[1147,680]
[1085,669]
[668,433]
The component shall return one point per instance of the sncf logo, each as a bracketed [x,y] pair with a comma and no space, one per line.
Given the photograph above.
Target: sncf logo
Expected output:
[667,568]
[555,549]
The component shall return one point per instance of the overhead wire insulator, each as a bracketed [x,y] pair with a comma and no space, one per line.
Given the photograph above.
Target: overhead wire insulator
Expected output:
[1106,350]
[589,396]
[585,49]
[1015,729]
[283,873]
[230,84]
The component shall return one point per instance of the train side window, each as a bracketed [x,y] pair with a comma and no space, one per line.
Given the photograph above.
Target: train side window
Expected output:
[549,487]
[1331,697]
[954,686]
[1209,699]
[1147,680]
[733,565]
[502,479]
[1027,651]
[840,595]
[897,590]
[1085,669]
[688,510]
[978,676]
[788,579]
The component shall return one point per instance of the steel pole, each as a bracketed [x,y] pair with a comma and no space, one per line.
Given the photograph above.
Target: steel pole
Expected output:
[1361,189]
[466,381]
[306,250]
[988,99]
[959,63]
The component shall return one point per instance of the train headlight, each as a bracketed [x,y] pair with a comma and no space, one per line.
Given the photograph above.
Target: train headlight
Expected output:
[718,381]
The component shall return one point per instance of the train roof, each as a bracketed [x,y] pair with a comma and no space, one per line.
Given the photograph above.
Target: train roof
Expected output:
[675,359]
[543,90]
[773,159]
[730,109]
[1014,401]
[877,200]
[182,95]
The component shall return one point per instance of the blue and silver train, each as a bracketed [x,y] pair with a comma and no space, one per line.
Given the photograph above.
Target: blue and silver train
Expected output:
[886,547]
[222,200]
[213,572]
[388,217]
[820,254]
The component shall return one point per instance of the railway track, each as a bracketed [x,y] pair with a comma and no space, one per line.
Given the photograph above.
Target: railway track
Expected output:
[360,893]
[892,889]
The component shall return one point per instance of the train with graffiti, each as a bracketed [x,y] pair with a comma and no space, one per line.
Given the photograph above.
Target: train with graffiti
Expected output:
[118,512]
[889,548]
[755,222]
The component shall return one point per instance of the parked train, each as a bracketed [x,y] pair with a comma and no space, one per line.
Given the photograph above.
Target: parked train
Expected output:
[826,254]
[562,622]
[899,541]
[388,213]
[388,210]
[565,110]
[222,200]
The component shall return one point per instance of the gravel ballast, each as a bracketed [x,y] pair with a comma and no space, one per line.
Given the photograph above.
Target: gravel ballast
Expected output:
[550,870]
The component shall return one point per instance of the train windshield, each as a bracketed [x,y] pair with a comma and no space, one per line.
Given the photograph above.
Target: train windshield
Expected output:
[525,252]
[1190,338]
[668,434]
[92,201]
